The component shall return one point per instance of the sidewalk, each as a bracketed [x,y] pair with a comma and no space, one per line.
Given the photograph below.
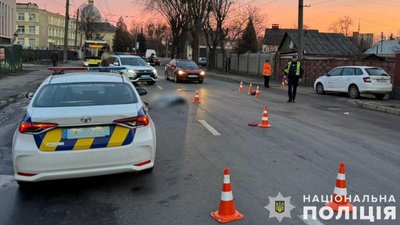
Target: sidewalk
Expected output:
[386,105]
[14,86]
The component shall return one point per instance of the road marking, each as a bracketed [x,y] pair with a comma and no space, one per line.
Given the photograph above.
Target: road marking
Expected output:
[310,221]
[209,128]
[159,87]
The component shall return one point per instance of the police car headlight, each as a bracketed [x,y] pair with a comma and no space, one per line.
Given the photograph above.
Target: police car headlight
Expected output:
[131,71]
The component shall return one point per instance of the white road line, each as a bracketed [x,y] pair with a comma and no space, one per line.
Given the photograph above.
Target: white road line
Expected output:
[209,128]
[310,221]
[159,87]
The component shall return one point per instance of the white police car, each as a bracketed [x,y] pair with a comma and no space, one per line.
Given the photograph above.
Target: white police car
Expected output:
[83,124]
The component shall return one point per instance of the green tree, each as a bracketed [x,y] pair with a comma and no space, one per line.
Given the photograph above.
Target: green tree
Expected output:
[123,40]
[141,39]
[249,39]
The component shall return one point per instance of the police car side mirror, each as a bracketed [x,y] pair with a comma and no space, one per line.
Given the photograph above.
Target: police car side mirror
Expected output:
[29,95]
[141,91]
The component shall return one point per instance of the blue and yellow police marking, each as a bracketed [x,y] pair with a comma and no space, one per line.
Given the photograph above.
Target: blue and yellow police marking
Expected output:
[52,140]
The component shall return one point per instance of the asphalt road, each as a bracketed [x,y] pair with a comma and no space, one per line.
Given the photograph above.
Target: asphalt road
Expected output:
[298,156]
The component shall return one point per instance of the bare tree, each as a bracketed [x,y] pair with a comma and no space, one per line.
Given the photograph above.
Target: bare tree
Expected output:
[342,25]
[214,29]
[175,13]
[239,21]
[199,11]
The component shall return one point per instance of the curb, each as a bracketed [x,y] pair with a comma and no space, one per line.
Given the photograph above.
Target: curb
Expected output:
[12,99]
[378,108]
[235,80]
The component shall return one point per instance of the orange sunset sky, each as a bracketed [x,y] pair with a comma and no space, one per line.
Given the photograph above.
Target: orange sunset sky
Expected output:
[374,16]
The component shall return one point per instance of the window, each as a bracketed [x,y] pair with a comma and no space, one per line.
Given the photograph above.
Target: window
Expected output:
[21,16]
[186,64]
[349,71]
[32,30]
[84,94]
[32,17]
[32,42]
[336,72]
[21,29]
[359,71]
[132,61]
[376,72]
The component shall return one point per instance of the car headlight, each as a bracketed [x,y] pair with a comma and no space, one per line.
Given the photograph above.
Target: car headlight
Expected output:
[202,73]
[131,71]
[155,72]
[180,72]
[85,63]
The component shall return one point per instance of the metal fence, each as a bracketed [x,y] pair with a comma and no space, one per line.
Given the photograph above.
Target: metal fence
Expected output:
[248,63]
[11,58]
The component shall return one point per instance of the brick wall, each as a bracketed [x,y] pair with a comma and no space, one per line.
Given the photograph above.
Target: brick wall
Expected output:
[315,67]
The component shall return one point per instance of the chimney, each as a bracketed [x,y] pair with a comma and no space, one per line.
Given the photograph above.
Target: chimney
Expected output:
[275,26]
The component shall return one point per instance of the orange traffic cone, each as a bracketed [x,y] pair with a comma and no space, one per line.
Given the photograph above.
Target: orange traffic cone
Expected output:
[340,192]
[250,89]
[264,119]
[227,211]
[196,98]
[241,87]
[258,94]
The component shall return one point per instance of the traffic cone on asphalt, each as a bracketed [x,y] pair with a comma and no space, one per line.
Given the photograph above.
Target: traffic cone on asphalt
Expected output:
[258,94]
[250,89]
[340,192]
[227,211]
[264,119]
[241,87]
[196,98]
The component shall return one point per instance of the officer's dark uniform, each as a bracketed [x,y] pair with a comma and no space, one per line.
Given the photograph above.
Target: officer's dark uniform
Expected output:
[294,73]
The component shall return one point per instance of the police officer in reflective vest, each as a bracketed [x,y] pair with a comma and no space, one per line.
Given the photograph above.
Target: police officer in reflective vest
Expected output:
[267,72]
[293,73]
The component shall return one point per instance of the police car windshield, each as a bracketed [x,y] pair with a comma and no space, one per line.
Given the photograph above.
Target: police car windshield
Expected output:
[84,94]
[131,61]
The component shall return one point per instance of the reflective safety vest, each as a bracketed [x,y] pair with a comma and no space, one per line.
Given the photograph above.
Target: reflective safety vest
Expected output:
[267,70]
[297,68]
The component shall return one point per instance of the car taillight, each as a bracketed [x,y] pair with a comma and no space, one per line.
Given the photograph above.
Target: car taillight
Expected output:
[367,80]
[25,127]
[134,121]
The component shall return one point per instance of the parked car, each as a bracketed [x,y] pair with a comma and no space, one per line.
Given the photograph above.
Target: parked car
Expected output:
[202,61]
[137,69]
[184,70]
[355,80]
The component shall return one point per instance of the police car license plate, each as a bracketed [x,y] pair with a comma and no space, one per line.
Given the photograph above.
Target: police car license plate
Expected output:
[91,132]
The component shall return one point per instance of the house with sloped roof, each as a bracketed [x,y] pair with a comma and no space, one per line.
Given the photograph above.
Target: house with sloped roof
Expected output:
[273,37]
[318,44]
[387,48]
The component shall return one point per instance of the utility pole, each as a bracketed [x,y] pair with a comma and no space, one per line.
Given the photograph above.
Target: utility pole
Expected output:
[66,31]
[381,42]
[301,32]
[76,30]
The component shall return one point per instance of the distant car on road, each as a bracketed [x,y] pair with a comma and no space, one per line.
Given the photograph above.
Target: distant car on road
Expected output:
[184,70]
[91,61]
[83,124]
[355,80]
[137,70]
[202,61]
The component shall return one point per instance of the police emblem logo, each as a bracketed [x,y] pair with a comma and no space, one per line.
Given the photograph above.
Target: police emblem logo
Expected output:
[279,206]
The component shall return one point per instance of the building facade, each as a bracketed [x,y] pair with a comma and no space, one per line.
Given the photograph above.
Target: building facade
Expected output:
[7,21]
[40,29]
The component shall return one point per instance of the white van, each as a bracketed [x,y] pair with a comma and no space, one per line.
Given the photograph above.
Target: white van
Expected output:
[149,52]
